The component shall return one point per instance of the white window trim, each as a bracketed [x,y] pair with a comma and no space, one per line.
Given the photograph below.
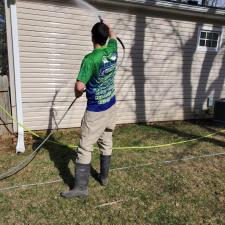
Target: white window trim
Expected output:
[209,28]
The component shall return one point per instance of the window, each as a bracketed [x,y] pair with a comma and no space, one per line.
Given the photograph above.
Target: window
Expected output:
[209,38]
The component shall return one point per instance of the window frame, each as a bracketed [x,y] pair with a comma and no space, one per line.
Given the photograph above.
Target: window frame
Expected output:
[210,28]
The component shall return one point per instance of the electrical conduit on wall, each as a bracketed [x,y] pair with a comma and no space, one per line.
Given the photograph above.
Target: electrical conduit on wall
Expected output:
[20,147]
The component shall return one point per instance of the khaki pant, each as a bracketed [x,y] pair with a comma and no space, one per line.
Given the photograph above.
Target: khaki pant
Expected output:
[96,127]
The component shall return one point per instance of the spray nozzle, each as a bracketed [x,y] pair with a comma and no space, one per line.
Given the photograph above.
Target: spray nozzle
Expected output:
[100,18]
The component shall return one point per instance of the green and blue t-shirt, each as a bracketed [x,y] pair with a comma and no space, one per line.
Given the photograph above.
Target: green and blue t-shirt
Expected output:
[97,72]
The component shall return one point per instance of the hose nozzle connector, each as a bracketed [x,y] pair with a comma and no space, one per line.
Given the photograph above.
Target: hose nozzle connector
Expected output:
[100,18]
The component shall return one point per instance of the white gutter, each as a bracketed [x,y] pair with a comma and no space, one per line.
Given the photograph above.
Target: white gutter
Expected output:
[20,147]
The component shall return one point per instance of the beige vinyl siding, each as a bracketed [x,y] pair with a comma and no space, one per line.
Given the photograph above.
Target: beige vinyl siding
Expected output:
[162,77]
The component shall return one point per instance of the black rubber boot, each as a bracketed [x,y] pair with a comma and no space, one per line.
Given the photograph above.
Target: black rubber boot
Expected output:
[80,188]
[104,169]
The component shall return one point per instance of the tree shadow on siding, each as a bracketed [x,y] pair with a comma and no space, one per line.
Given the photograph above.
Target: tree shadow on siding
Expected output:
[202,93]
[188,59]
[187,50]
[138,68]
[221,78]
[204,89]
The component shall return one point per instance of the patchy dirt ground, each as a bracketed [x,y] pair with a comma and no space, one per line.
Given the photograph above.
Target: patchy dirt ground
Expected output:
[8,143]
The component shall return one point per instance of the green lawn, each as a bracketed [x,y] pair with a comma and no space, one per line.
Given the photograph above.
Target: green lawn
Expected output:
[146,185]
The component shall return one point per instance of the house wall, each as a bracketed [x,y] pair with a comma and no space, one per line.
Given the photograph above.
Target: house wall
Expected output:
[162,76]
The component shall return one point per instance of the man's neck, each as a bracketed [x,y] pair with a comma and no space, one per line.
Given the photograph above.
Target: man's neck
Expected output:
[97,46]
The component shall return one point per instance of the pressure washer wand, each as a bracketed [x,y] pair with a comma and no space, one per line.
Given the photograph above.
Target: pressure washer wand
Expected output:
[100,18]
[120,41]
[66,111]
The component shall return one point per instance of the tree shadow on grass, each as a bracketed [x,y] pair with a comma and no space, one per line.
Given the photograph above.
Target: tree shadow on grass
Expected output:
[61,156]
[189,148]
[187,136]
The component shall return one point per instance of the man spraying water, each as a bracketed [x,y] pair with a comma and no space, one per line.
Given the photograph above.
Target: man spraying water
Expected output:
[96,77]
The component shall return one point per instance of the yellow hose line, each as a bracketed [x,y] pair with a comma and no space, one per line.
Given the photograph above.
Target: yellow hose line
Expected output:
[16,121]
[28,129]
[171,144]
[117,148]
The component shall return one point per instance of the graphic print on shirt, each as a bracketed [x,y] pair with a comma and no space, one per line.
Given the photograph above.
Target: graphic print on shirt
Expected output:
[101,87]
[106,90]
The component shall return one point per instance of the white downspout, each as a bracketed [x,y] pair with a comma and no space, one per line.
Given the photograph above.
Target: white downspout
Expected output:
[20,147]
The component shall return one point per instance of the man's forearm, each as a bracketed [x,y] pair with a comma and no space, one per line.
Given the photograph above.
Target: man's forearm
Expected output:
[79,89]
[112,34]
